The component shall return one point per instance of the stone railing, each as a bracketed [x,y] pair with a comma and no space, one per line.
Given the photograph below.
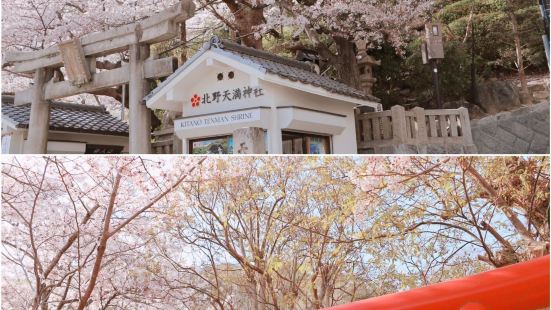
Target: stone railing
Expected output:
[164,142]
[416,131]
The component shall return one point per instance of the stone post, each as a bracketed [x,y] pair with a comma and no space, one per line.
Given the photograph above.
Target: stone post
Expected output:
[399,131]
[139,117]
[274,132]
[465,125]
[177,147]
[422,135]
[249,141]
[185,146]
[468,147]
[39,124]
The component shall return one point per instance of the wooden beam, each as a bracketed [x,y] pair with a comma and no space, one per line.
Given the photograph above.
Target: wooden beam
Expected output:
[12,56]
[160,32]
[101,80]
[23,97]
[158,68]
[157,28]
[109,46]
[53,60]
[179,12]
[153,69]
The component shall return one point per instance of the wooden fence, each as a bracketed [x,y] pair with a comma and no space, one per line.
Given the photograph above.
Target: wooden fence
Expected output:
[418,127]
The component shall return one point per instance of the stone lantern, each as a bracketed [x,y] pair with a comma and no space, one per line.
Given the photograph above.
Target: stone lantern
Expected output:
[366,63]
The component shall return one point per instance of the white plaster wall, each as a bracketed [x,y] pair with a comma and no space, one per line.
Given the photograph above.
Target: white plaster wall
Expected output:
[57,147]
[82,138]
[343,143]
[16,138]
[204,80]
[17,143]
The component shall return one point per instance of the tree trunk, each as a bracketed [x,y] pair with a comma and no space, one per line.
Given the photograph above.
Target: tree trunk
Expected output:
[346,62]
[246,19]
[273,294]
[524,92]
[105,234]
[315,296]
[183,39]
[252,291]
[260,296]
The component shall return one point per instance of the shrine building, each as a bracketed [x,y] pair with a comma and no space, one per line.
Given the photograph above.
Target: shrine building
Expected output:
[226,86]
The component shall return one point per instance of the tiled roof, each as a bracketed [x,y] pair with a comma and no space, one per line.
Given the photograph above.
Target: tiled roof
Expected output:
[68,117]
[293,70]
[284,67]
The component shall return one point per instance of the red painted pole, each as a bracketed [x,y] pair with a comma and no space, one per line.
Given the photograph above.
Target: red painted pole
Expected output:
[521,286]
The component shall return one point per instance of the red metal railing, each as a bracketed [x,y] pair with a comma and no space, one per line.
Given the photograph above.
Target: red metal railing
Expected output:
[521,286]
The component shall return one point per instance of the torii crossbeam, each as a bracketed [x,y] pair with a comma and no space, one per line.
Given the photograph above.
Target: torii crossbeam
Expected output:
[78,56]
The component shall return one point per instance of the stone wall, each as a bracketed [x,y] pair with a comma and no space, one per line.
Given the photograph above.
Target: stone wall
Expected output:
[521,131]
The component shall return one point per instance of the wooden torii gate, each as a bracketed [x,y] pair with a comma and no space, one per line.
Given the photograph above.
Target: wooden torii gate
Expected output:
[78,56]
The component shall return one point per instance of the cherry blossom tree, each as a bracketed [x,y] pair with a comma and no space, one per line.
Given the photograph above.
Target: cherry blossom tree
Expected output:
[38,24]
[243,17]
[259,232]
[498,205]
[333,27]
[269,236]
[69,223]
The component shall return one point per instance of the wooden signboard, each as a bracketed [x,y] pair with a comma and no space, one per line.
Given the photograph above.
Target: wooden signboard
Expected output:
[76,66]
[435,45]
[424,53]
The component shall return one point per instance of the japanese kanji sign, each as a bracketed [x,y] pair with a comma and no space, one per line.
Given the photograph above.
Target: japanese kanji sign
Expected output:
[227,95]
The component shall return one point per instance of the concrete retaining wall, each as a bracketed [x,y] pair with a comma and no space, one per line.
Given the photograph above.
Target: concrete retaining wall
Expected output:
[423,149]
[521,131]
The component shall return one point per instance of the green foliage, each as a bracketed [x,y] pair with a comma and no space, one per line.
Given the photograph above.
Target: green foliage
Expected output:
[493,32]
[390,76]
[454,70]
[494,53]
[411,74]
